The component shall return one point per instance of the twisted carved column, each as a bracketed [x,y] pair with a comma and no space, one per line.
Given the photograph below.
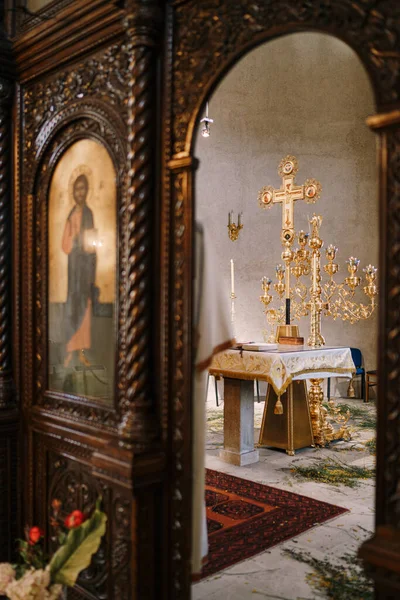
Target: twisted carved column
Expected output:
[6,387]
[143,24]
[8,413]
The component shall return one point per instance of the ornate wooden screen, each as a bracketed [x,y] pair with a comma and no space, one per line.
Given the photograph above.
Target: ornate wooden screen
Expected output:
[91,71]
[86,104]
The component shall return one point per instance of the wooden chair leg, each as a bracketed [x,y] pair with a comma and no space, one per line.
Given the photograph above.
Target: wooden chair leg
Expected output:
[216,391]
[258,390]
[367,389]
[363,394]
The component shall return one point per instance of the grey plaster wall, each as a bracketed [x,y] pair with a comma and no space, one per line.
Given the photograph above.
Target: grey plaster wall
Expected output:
[307,95]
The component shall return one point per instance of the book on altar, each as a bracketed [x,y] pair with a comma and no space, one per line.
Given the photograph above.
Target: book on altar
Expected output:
[259,346]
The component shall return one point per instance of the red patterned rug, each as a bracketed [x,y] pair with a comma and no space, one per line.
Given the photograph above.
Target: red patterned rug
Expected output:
[245,518]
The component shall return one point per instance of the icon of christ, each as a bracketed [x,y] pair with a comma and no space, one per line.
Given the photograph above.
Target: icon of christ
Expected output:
[79,243]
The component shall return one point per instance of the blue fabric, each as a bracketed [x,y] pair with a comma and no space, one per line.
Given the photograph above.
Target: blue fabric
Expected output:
[357,359]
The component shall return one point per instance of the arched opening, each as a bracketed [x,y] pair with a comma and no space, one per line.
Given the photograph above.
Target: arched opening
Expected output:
[305,95]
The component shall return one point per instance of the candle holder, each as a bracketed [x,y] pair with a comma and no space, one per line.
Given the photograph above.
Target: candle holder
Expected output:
[266,297]
[233,229]
[329,298]
[279,287]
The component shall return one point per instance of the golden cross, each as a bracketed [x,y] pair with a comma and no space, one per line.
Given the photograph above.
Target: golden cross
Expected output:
[287,194]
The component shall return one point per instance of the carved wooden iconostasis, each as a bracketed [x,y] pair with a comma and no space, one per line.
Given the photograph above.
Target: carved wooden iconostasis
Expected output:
[82,266]
[100,72]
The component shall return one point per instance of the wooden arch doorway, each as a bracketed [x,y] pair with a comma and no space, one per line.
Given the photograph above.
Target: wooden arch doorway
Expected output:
[206,39]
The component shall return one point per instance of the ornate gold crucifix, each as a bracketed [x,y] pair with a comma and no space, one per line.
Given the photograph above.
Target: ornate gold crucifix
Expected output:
[287,194]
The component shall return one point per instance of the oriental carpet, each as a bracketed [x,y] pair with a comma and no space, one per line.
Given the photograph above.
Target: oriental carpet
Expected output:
[245,518]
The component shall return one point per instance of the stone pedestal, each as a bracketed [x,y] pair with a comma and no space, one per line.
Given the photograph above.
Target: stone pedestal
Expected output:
[239,423]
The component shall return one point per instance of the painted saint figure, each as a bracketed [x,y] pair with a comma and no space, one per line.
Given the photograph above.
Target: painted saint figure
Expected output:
[81,251]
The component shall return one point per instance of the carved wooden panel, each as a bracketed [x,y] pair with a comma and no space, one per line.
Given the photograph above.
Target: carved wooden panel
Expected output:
[8,486]
[389,509]
[99,79]
[94,126]
[9,417]
[210,36]
[27,16]
[63,471]
[76,448]
[95,99]
[181,367]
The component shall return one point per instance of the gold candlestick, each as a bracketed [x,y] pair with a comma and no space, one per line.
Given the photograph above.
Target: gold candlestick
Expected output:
[316,339]
[279,287]
[266,297]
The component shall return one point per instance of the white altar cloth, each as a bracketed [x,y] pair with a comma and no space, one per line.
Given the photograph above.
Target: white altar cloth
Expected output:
[285,364]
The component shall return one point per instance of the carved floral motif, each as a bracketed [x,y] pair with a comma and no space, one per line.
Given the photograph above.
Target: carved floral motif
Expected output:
[74,485]
[211,35]
[99,79]
[179,394]
[391,384]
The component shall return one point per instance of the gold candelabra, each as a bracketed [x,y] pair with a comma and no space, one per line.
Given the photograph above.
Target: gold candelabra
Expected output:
[233,229]
[330,299]
[297,299]
[340,297]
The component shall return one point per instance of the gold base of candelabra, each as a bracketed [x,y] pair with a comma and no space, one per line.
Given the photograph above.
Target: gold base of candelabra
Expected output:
[292,341]
[323,430]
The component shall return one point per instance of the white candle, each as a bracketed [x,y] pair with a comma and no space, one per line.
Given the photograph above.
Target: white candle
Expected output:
[232,277]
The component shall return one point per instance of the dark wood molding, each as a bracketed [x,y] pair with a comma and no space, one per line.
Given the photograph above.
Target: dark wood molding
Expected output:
[381,559]
[6,381]
[9,475]
[24,20]
[385,119]
[65,34]
[181,380]
[143,29]
[9,415]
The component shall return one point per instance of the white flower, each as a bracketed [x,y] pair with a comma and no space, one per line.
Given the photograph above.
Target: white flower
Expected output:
[34,585]
[7,574]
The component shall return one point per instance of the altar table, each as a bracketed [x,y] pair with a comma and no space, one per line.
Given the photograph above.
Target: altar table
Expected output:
[287,422]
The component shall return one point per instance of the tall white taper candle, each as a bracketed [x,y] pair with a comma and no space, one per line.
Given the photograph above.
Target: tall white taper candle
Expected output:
[232,278]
